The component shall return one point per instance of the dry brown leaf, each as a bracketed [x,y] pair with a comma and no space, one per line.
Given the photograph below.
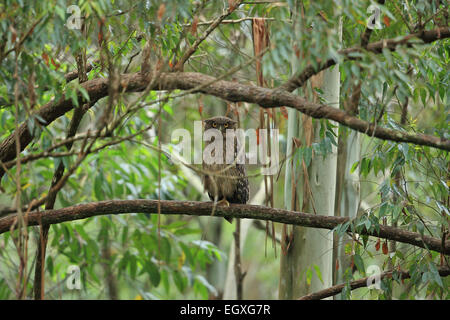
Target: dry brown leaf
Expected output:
[385,248]
[45,57]
[284,112]
[194,26]
[161,11]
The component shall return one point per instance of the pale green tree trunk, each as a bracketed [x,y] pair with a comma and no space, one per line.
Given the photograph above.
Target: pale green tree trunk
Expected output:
[287,262]
[306,266]
[347,199]
[306,258]
[314,247]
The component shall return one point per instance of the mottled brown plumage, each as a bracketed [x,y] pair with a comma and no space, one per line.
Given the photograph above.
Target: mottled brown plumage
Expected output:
[226,181]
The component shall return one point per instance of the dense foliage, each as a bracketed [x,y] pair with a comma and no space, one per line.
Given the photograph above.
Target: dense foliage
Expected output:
[117,152]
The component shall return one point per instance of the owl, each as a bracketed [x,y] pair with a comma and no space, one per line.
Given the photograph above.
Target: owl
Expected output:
[225,179]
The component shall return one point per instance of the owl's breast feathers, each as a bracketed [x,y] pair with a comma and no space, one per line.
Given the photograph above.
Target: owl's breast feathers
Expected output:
[228,181]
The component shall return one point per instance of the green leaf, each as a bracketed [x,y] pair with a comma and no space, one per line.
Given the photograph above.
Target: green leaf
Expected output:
[168,109]
[84,93]
[206,284]
[396,212]
[354,166]
[79,228]
[153,272]
[165,280]
[434,274]
[359,263]
[319,274]
[383,209]
[124,235]
[187,253]
[50,266]
[308,277]
[420,227]
[423,96]
[165,249]
[367,224]
[179,280]
[307,156]
[341,229]
[132,264]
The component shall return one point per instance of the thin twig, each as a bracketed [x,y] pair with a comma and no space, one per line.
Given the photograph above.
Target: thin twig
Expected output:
[214,25]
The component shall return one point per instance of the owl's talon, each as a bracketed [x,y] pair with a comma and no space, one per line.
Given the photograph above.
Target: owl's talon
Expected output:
[223,203]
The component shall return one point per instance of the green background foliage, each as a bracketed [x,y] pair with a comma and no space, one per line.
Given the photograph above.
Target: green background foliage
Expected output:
[171,257]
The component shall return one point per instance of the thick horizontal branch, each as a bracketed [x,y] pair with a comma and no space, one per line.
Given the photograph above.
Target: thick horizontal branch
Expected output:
[228,90]
[97,89]
[360,283]
[195,208]
[427,36]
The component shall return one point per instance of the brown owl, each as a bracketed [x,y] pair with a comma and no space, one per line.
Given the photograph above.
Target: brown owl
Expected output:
[225,178]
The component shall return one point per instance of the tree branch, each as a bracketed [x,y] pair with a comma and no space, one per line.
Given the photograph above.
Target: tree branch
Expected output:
[239,211]
[427,36]
[334,290]
[228,90]
[72,75]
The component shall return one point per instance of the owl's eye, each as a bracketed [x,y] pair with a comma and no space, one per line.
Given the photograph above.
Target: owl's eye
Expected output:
[226,125]
[214,124]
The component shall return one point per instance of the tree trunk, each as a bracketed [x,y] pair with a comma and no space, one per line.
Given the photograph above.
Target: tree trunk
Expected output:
[287,262]
[306,259]
[347,198]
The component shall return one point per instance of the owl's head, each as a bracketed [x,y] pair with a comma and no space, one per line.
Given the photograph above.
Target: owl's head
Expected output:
[220,123]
